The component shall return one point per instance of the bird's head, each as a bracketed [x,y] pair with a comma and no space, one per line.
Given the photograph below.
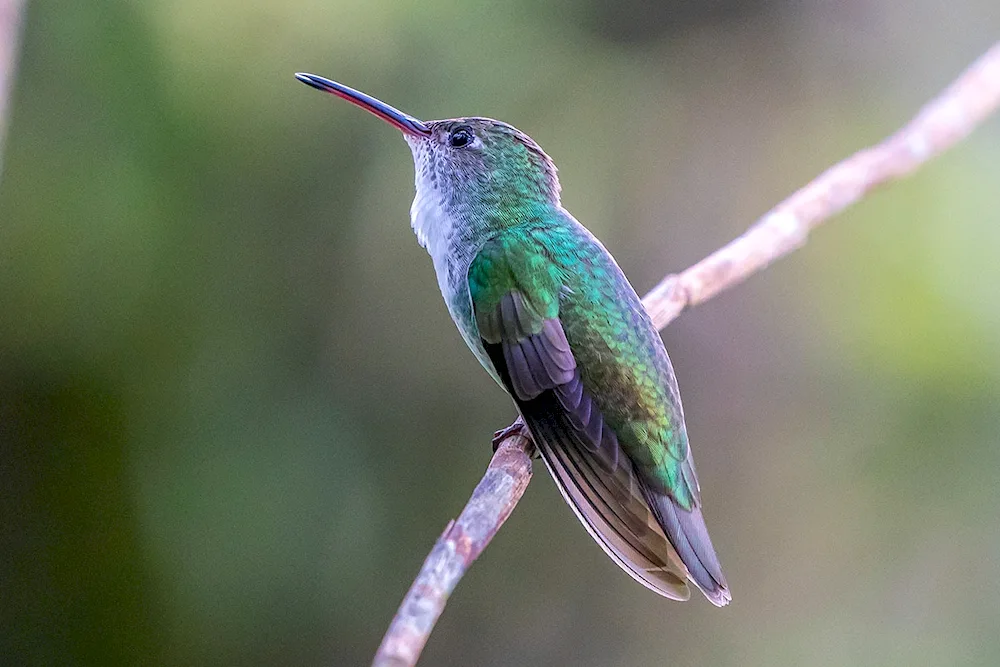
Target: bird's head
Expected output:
[480,163]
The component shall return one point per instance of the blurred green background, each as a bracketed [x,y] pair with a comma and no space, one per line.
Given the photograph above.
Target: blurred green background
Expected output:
[234,414]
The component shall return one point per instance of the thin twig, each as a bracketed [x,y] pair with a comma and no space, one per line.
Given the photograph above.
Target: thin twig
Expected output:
[10,31]
[461,543]
[941,124]
[938,126]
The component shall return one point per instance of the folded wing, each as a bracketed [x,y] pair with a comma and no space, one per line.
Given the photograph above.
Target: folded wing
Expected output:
[535,363]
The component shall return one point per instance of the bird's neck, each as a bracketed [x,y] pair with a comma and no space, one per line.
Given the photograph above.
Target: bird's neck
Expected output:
[453,232]
[443,222]
[440,219]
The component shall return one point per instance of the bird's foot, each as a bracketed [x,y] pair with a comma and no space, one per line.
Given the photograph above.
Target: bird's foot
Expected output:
[517,428]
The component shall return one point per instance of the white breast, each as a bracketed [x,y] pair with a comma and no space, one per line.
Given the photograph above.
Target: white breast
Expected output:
[433,227]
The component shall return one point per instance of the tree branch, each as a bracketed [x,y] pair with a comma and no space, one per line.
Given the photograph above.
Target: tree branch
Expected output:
[938,126]
[10,31]
[461,543]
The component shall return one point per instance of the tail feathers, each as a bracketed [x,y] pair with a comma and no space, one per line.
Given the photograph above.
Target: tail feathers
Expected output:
[617,517]
[688,534]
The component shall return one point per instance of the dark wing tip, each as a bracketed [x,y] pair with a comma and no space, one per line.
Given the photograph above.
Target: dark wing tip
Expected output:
[688,534]
[719,597]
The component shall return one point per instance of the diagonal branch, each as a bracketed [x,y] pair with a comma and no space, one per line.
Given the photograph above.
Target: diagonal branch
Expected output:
[941,124]
[950,117]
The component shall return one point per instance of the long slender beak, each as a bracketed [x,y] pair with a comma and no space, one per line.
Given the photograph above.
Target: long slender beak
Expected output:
[405,122]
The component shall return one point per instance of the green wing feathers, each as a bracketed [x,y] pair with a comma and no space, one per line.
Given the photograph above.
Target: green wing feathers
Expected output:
[570,341]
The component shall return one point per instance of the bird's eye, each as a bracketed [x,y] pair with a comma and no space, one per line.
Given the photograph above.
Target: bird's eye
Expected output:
[460,136]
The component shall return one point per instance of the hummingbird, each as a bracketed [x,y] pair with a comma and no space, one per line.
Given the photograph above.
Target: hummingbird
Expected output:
[551,317]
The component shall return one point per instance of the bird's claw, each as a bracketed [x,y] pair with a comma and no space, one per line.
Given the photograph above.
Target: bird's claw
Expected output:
[517,428]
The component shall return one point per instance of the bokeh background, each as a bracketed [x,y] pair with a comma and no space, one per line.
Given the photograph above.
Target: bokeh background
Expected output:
[234,414]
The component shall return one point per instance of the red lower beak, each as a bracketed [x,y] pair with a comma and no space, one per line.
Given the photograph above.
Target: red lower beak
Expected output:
[404,122]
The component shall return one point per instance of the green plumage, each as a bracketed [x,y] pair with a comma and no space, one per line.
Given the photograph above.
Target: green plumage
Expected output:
[564,272]
[549,314]
[554,320]
[560,327]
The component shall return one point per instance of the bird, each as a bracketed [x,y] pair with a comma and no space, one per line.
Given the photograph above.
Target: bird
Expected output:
[552,318]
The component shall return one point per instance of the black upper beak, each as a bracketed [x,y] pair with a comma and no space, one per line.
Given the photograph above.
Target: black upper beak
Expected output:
[404,122]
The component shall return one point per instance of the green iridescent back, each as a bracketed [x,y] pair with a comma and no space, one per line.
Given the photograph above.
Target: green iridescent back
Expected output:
[566,272]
